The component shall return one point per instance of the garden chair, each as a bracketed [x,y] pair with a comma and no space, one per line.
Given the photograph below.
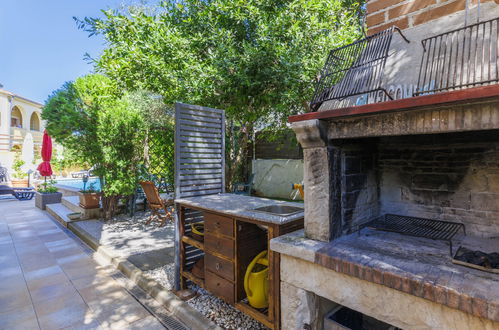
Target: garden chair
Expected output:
[157,203]
[242,188]
[3,174]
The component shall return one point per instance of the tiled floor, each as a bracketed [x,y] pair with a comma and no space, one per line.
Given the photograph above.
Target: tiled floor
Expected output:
[48,281]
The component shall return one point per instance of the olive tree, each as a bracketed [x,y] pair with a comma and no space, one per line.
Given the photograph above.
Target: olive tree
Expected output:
[255,59]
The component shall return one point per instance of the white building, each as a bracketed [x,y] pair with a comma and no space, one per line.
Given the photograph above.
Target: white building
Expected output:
[18,116]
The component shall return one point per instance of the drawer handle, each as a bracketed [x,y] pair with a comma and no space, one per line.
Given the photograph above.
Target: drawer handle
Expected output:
[217,266]
[217,224]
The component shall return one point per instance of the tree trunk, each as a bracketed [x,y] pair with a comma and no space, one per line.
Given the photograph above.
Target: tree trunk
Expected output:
[109,206]
[237,158]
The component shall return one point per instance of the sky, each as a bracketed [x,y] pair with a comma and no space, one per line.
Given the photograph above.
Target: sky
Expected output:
[41,47]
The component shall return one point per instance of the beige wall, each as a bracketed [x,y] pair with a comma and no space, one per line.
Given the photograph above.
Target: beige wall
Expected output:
[273,177]
[10,136]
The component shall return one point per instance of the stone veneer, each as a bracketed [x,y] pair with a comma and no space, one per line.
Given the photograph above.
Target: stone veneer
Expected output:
[457,118]
[452,177]
[438,162]
[446,168]
[414,287]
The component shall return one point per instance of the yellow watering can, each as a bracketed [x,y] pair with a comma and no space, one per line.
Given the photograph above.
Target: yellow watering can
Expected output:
[255,281]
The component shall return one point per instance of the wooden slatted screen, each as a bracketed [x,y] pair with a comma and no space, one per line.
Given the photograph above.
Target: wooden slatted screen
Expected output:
[199,150]
[199,166]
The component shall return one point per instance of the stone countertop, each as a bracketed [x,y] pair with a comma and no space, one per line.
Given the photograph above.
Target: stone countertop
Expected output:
[418,266]
[241,206]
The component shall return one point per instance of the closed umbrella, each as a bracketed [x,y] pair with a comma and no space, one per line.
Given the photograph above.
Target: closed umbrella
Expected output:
[44,168]
[27,154]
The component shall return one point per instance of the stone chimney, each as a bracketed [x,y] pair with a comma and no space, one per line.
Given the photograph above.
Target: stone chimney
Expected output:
[382,14]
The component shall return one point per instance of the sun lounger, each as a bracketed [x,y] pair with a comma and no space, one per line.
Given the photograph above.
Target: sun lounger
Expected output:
[83,173]
[22,194]
[3,174]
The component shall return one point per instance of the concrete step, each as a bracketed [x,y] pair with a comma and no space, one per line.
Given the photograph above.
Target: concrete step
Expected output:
[60,213]
[72,202]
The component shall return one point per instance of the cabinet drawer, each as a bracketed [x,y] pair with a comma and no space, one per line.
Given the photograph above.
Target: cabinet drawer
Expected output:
[220,287]
[219,266]
[220,245]
[218,224]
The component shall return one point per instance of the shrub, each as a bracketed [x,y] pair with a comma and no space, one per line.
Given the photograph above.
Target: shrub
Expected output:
[17,167]
[48,187]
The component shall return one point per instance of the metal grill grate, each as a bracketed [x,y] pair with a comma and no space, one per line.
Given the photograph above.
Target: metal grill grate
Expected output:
[354,69]
[419,227]
[461,58]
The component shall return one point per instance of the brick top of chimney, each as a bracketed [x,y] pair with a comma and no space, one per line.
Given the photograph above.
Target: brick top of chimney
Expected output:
[382,14]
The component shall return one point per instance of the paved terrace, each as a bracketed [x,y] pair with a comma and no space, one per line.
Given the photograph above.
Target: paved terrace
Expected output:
[48,279]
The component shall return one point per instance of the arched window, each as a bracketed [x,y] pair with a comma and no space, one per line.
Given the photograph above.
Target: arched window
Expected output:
[16,119]
[34,122]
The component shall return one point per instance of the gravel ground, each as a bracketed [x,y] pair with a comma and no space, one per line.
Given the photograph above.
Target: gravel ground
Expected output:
[163,275]
[222,313]
[210,306]
[138,242]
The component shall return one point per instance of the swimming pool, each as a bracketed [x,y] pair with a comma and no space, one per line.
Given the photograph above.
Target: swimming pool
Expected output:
[78,183]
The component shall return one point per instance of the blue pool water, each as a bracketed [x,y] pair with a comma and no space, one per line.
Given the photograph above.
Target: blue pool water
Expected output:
[78,183]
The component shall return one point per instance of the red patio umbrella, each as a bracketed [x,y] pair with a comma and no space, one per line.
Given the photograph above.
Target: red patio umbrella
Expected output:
[44,168]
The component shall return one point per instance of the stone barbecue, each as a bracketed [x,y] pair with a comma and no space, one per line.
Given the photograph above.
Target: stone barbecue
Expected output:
[434,156]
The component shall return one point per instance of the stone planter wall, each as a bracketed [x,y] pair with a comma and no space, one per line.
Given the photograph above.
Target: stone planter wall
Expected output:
[42,200]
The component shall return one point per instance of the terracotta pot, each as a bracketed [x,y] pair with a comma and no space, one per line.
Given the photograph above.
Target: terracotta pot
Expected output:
[19,183]
[89,200]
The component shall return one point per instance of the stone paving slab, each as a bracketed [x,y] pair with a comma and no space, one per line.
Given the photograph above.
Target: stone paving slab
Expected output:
[132,238]
[137,250]
[48,279]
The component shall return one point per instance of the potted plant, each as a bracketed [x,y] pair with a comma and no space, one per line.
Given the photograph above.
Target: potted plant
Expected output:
[89,197]
[47,194]
[19,179]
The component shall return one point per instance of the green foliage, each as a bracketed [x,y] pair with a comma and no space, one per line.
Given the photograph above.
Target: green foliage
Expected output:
[151,106]
[100,128]
[47,187]
[17,167]
[159,140]
[90,189]
[161,153]
[255,59]
[72,115]
[120,133]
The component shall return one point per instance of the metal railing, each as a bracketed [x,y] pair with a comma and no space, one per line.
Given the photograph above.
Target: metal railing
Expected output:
[354,69]
[461,58]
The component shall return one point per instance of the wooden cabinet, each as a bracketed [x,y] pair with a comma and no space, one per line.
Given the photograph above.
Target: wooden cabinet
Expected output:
[230,244]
